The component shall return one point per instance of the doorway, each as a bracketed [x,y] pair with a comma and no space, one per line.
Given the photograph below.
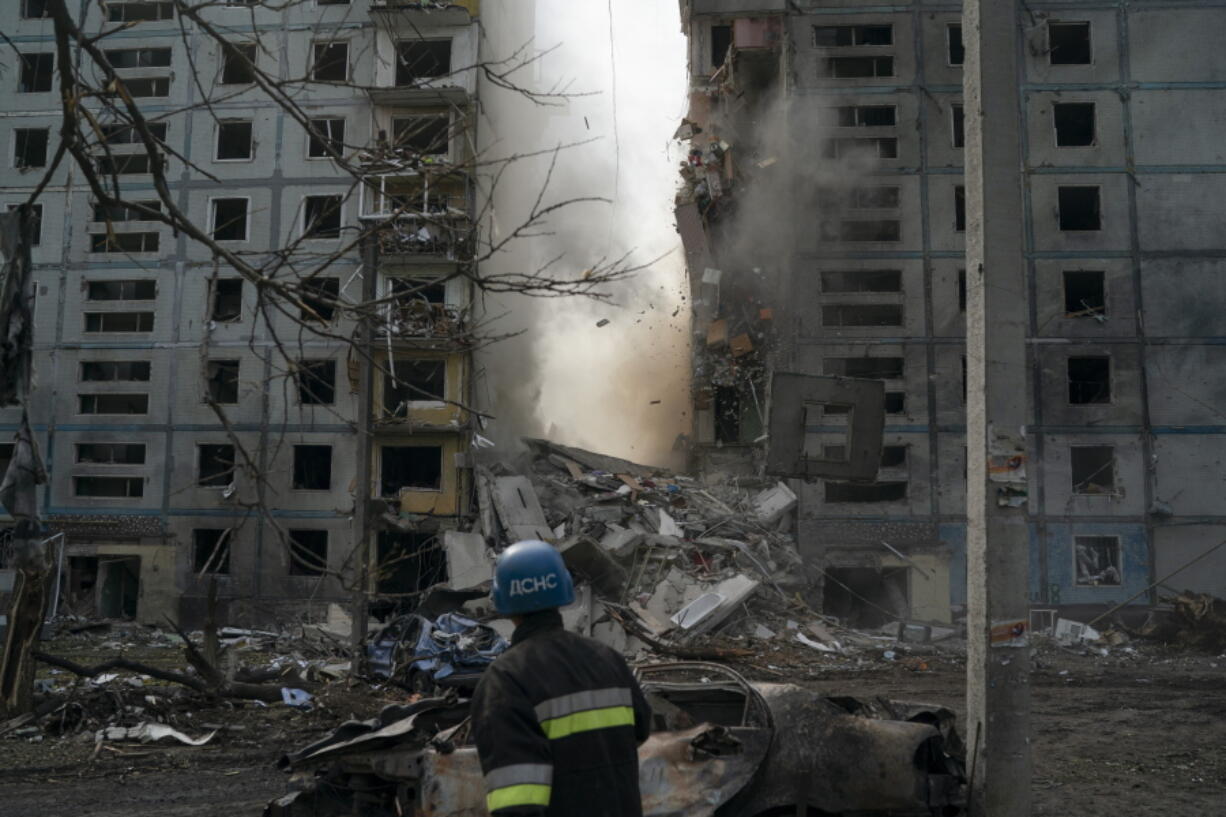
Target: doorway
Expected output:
[119,580]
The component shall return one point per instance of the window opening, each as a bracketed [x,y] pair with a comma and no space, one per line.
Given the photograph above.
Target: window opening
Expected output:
[110,487]
[869,280]
[1074,124]
[1089,380]
[227,304]
[1084,293]
[324,135]
[118,321]
[111,453]
[308,554]
[233,141]
[331,62]
[108,371]
[1093,469]
[418,467]
[959,125]
[238,63]
[322,216]
[319,296]
[953,37]
[312,467]
[959,209]
[1080,208]
[113,403]
[1068,43]
[417,60]
[140,290]
[862,315]
[415,381]
[859,67]
[872,368]
[30,147]
[1098,560]
[230,219]
[221,379]
[721,41]
[848,36]
[316,382]
[216,466]
[36,222]
[211,551]
[866,116]
[36,72]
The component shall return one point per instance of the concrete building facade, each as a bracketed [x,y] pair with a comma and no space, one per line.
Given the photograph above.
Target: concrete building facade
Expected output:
[134,324]
[849,115]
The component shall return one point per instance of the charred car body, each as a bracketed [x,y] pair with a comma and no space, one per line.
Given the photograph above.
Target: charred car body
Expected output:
[720,747]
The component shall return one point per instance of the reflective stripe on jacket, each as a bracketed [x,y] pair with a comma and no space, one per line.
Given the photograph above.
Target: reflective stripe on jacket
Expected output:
[557,720]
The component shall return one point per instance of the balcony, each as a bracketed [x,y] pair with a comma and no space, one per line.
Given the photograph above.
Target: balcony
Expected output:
[416,321]
[436,12]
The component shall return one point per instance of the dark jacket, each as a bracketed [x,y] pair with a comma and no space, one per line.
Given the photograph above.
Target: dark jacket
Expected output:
[557,721]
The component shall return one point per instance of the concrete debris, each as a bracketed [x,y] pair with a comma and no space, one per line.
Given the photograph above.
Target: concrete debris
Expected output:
[1072,632]
[771,505]
[468,562]
[150,733]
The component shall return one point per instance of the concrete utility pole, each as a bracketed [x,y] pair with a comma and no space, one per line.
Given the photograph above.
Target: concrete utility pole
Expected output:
[997,413]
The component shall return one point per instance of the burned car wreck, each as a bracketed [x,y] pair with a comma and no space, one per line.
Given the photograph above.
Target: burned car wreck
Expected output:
[720,746]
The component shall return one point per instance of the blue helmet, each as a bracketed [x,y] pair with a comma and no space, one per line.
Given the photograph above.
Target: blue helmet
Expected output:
[531,576]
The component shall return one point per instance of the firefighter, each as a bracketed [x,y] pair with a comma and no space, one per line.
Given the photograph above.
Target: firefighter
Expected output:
[558,717]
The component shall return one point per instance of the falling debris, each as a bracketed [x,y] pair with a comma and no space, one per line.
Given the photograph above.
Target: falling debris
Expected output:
[602,322]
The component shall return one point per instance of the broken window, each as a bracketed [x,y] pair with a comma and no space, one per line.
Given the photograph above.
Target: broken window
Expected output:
[866,492]
[113,403]
[130,135]
[211,550]
[321,217]
[844,36]
[895,402]
[308,552]
[110,487]
[331,62]
[868,280]
[415,381]
[959,209]
[6,456]
[1093,469]
[414,466]
[326,136]
[312,467]
[137,12]
[1080,208]
[36,71]
[221,380]
[319,296]
[227,300]
[426,135]
[111,453]
[109,371]
[1074,124]
[126,290]
[1098,561]
[1089,380]
[417,60]
[30,147]
[33,9]
[1068,43]
[229,219]
[126,212]
[875,197]
[872,368]
[36,222]
[872,148]
[139,87]
[953,38]
[959,125]
[409,562]
[858,67]
[868,230]
[862,315]
[727,414]
[118,321]
[233,141]
[124,242]
[238,63]
[892,456]
[316,382]
[961,290]
[1084,293]
[866,116]
[139,57]
[126,164]
[215,465]
[721,41]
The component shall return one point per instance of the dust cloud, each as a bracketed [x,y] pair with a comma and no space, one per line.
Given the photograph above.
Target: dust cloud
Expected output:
[621,388]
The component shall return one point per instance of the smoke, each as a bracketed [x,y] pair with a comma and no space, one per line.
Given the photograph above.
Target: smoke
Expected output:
[621,388]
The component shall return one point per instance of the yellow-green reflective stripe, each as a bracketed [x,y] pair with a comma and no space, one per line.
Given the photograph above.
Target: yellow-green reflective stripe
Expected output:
[587,721]
[525,794]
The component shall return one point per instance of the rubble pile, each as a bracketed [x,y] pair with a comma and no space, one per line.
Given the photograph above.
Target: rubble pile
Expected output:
[663,560]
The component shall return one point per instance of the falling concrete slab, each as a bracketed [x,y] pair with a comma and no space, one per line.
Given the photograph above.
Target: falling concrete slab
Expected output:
[519,509]
[621,542]
[468,562]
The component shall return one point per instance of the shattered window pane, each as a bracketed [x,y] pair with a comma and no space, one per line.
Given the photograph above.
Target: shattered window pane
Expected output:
[1084,293]
[227,299]
[324,134]
[1098,561]
[417,60]
[319,296]
[415,381]
[221,379]
[215,465]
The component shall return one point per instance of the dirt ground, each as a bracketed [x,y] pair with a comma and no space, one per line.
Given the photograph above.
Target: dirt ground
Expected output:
[1138,732]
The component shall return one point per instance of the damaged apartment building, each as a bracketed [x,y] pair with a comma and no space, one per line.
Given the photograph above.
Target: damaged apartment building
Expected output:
[136,324]
[822,214]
